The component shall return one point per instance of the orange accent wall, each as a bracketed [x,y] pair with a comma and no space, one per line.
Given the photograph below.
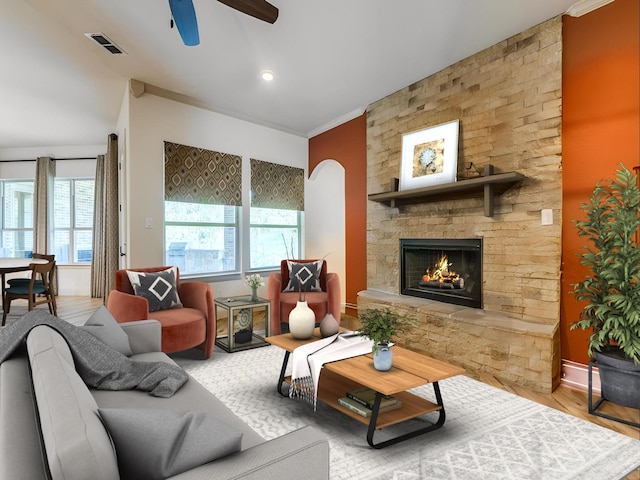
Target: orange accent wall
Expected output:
[347,144]
[600,128]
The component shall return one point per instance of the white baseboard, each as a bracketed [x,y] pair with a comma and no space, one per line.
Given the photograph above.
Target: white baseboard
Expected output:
[576,375]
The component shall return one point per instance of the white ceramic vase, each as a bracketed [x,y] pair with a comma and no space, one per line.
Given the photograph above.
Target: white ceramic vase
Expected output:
[302,321]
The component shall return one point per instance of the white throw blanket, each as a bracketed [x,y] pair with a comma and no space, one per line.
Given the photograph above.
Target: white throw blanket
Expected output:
[307,361]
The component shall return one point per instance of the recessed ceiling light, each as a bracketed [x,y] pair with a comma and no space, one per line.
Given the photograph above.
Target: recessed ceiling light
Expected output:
[267,75]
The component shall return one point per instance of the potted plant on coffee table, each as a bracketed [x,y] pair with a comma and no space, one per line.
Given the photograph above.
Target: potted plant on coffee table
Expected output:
[382,326]
[612,288]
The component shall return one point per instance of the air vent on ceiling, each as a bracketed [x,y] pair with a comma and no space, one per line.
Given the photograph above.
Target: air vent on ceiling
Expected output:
[106,43]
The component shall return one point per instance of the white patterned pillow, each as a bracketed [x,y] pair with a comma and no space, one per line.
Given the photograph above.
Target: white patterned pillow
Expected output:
[159,288]
[304,277]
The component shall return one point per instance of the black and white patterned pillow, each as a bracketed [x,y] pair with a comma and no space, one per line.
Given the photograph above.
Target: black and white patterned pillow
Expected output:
[159,288]
[304,277]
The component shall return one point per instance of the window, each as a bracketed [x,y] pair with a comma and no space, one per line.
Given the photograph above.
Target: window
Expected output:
[73,224]
[274,233]
[277,203]
[17,218]
[201,238]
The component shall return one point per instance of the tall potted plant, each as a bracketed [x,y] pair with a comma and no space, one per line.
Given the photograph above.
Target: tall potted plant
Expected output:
[612,288]
[382,326]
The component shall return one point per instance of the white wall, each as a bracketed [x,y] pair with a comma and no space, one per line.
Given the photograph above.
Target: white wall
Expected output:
[143,125]
[152,120]
[324,209]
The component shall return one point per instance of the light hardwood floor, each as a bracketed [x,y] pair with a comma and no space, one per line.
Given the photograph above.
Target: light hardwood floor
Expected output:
[569,400]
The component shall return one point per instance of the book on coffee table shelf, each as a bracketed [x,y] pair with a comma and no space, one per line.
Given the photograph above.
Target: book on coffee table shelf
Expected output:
[361,410]
[366,396]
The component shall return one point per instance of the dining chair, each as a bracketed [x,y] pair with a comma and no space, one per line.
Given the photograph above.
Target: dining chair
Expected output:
[25,280]
[37,291]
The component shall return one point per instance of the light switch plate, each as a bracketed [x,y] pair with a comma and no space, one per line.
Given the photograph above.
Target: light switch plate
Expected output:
[546,216]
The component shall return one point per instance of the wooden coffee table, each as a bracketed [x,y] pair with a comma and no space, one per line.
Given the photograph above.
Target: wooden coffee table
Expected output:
[410,370]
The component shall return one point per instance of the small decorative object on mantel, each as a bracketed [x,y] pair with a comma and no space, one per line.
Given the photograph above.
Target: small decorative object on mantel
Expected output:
[381,326]
[471,170]
[429,156]
[254,281]
[329,326]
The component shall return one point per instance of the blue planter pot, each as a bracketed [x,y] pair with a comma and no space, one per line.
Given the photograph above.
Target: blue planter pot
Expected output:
[383,358]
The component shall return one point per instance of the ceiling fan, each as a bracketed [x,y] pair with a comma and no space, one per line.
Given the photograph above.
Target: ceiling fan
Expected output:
[184,15]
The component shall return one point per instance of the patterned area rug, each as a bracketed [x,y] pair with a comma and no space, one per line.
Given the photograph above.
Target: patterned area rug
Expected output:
[488,433]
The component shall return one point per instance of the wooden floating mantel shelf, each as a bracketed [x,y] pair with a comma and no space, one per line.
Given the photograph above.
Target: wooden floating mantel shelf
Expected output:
[489,185]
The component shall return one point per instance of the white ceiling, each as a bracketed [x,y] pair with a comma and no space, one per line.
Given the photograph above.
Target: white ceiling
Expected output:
[331,58]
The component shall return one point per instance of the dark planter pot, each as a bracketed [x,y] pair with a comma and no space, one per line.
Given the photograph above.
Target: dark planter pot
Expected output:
[619,378]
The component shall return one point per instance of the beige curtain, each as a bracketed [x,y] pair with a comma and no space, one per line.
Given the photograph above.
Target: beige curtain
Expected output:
[43,221]
[105,222]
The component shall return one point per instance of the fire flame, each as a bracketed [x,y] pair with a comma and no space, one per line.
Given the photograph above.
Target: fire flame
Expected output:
[441,271]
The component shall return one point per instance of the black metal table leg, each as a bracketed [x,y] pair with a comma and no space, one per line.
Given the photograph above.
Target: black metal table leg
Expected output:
[374,418]
[282,373]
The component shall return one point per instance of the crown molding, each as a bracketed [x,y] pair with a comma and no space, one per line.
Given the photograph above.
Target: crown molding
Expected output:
[337,121]
[585,6]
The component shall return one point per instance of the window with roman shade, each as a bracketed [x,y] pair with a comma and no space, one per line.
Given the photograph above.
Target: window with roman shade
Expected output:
[277,203]
[276,186]
[203,197]
[197,175]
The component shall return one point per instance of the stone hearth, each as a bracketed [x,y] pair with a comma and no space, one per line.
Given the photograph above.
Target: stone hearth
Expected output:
[513,350]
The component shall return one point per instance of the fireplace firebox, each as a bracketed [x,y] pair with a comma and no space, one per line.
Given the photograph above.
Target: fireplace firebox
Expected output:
[446,270]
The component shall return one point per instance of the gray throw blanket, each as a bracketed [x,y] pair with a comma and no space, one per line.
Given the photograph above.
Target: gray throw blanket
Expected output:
[97,364]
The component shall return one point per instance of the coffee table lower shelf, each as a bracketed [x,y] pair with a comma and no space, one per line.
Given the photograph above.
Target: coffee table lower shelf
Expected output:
[333,386]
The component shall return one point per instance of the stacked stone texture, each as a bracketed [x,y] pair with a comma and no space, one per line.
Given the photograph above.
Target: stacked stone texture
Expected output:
[508,99]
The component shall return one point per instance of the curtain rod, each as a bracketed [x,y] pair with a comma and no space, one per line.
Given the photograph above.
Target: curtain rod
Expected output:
[54,159]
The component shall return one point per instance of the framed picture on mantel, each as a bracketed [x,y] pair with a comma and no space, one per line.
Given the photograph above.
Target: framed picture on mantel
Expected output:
[429,156]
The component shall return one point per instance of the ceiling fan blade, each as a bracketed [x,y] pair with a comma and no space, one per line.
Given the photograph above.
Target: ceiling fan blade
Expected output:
[185,17]
[260,9]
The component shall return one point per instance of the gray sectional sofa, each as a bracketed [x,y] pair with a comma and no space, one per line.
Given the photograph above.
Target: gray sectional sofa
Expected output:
[53,426]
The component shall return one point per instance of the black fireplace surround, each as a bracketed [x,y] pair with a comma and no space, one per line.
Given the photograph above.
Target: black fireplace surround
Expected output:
[445,270]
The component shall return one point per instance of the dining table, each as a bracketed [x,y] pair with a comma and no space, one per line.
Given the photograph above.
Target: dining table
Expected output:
[14,265]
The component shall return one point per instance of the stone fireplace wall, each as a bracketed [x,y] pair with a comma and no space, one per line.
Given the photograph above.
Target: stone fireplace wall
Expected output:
[508,99]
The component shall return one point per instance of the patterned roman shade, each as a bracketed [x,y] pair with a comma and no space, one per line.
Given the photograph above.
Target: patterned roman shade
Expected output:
[196,175]
[276,186]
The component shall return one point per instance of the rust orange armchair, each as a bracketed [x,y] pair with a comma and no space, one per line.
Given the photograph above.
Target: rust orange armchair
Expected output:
[192,325]
[321,302]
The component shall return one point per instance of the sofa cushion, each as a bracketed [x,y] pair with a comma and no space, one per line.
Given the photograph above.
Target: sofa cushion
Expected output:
[104,327]
[159,288]
[157,443]
[75,440]
[192,397]
[304,277]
